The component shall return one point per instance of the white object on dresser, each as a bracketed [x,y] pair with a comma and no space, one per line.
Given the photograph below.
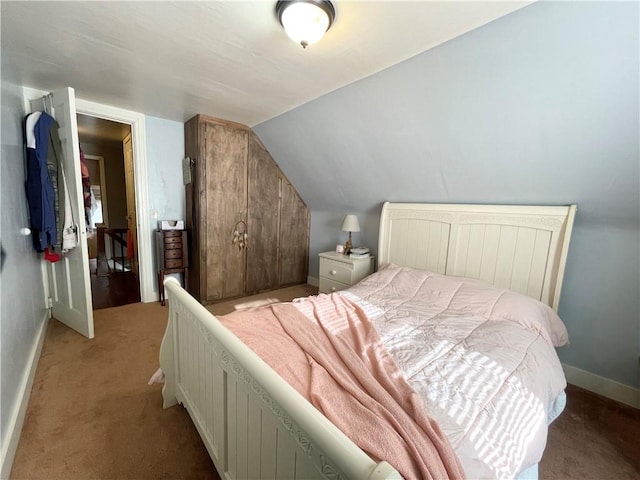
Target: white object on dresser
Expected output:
[338,271]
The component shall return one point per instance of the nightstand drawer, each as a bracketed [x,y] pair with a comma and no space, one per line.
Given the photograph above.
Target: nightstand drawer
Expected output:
[329,286]
[336,271]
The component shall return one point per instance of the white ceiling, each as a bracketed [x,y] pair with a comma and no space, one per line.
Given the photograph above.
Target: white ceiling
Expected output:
[229,59]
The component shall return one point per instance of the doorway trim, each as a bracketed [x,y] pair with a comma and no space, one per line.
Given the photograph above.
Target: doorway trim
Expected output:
[139,138]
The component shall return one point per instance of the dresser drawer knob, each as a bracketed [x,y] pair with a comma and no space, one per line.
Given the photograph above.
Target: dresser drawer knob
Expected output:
[333,289]
[333,272]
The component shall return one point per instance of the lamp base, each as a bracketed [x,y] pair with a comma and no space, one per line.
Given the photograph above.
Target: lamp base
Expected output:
[348,245]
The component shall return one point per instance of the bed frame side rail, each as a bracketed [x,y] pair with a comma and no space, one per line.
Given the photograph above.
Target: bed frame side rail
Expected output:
[252,422]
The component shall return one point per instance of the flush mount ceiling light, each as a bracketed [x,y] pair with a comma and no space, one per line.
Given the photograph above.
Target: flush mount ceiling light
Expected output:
[305,21]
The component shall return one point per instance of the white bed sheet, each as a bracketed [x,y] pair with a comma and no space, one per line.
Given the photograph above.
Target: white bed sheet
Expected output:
[482,358]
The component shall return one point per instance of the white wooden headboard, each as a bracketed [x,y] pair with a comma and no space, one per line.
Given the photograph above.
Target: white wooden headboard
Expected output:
[522,248]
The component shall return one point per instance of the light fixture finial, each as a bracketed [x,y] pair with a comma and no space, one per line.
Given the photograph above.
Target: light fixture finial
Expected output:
[305,21]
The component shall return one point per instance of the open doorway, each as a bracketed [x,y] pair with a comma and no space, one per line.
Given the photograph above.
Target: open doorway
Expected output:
[110,211]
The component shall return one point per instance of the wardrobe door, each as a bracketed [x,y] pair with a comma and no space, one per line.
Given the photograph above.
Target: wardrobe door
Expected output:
[262,218]
[226,203]
[294,236]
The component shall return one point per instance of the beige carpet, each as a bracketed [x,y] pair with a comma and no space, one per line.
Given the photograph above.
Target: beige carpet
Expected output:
[594,438]
[92,415]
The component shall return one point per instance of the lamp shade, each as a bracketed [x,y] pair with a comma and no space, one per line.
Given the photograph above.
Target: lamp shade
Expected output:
[305,21]
[350,224]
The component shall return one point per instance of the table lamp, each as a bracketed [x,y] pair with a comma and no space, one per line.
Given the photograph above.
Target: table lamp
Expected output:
[350,224]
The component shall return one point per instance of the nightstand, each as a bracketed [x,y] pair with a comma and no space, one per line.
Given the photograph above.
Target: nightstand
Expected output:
[338,271]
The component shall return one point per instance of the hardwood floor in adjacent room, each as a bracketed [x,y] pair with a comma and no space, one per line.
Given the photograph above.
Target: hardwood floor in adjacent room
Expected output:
[114,289]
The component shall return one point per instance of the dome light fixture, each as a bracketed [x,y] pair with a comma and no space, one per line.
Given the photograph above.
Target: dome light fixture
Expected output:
[305,21]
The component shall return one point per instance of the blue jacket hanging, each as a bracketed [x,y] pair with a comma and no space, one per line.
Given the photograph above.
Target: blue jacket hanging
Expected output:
[39,187]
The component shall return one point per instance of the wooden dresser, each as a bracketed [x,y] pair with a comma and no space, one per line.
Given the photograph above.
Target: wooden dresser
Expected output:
[173,257]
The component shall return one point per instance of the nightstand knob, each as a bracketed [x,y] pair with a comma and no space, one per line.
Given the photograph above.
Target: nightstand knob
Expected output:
[333,272]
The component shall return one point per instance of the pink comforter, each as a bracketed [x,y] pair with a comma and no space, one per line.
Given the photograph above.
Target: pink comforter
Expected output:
[338,363]
[481,358]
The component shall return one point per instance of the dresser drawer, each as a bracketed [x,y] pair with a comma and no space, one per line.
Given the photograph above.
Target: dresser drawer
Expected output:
[172,240]
[173,263]
[171,254]
[328,285]
[336,271]
[171,233]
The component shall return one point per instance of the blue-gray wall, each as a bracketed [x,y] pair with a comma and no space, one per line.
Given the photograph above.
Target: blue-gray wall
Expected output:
[22,292]
[538,107]
[165,150]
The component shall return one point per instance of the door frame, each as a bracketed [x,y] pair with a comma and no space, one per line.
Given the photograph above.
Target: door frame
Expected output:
[139,137]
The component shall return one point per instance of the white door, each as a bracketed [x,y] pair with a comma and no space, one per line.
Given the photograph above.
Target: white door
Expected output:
[69,281]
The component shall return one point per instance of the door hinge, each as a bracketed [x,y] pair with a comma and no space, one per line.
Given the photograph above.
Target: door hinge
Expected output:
[49,302]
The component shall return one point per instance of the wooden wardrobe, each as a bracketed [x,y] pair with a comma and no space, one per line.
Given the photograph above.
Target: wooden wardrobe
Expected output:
[236,185]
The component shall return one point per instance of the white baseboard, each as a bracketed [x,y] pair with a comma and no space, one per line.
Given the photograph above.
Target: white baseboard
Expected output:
[315,281]
[602,386]
[16,416]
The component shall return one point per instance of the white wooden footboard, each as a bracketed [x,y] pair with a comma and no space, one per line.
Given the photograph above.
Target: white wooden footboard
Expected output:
[252,422]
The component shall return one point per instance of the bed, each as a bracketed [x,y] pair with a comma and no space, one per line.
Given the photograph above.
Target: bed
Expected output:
[436,263]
